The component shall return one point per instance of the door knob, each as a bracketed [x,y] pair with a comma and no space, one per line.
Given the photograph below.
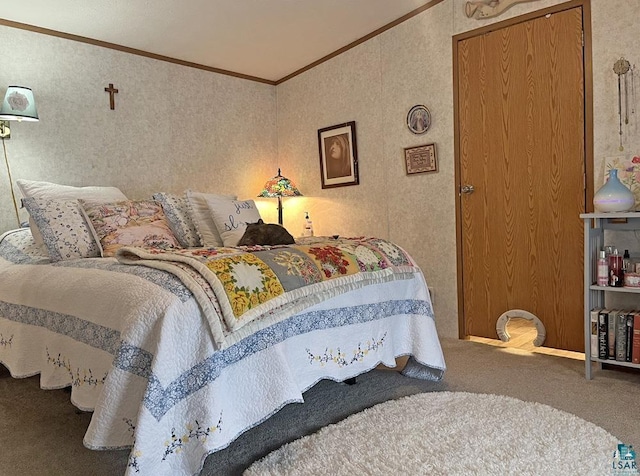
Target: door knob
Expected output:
[467,189]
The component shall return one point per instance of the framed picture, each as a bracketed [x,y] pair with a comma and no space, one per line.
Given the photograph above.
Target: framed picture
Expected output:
[338,155]
[419,119]
[421,159]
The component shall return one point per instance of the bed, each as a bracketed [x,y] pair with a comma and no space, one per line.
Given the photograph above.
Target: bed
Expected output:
[177,355]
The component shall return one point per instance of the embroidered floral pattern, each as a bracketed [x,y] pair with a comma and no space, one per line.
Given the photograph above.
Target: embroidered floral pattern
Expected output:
[368,258]
[332,260]
[395,254]
[247,281]
[340,358]
[79,378]
[207,252]
[135,453]
[6,342]
[160,399]
[296,265]
[133,460]
[130,425]
[175,444]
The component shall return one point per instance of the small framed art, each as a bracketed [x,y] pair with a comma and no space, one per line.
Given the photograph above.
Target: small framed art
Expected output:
[338,155]
[419,119]
[421,159]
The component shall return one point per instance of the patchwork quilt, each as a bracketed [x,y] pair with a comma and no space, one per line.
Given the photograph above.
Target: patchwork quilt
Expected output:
[268,283]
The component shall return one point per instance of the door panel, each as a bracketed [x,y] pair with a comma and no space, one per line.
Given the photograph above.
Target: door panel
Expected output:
[521,145]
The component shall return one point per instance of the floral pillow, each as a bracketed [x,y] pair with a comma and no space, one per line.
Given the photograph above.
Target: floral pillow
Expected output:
[129,223]
[176,210]
[231,217]
[63,228]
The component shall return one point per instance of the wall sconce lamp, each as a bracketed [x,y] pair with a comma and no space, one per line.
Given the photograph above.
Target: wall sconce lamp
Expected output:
[18,105]
[279,186]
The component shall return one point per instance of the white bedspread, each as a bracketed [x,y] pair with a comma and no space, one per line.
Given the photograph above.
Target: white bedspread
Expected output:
[169,393]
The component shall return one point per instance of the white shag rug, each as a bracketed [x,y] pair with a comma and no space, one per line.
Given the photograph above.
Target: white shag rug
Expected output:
[449,433]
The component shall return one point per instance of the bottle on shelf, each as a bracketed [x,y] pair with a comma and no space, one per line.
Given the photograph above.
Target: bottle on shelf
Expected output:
[308,225]
[603,269]
[626,262]
[616,273]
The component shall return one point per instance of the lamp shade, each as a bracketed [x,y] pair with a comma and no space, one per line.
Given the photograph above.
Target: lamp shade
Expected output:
[18,105]
[280,186]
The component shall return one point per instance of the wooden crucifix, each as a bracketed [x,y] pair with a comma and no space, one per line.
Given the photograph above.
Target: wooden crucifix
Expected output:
[112,92]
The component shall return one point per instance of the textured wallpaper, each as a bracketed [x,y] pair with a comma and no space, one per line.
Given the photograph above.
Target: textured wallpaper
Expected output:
[173,127]
[176,127]
[375,85]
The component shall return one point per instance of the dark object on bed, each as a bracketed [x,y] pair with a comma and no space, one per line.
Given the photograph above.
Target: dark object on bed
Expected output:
[261,233]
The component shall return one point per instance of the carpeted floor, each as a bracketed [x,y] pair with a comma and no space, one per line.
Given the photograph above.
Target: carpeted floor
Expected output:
[41,432]
[449,433]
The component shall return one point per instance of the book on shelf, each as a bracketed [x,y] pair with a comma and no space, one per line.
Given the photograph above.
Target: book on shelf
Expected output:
[629,336]
[635,354]
[594,331]
[603,335]
[611,334]
[615,333]
[621,336]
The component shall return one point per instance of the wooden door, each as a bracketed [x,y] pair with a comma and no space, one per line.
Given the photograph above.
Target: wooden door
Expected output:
[521,145]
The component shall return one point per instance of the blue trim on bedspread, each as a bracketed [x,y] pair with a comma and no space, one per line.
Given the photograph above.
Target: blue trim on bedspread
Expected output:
[134,359]
[160,400]
[164,279]
[17,246]
[80,330]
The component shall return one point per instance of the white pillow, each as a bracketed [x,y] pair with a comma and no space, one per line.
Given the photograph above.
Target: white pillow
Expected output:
[52,191]
[202,219]
[231,217]
[31,188]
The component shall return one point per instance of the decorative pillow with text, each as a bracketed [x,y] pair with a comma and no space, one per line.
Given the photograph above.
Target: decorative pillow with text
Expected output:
[201,216]
[231,217]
